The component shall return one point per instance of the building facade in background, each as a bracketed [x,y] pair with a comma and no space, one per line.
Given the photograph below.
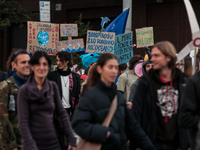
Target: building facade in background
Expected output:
[167,17]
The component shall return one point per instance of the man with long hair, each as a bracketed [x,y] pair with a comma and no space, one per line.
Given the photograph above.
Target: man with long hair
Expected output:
[157,100]
[68,82]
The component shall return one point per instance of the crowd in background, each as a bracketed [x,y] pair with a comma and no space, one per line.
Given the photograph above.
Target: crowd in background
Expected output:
[157,101]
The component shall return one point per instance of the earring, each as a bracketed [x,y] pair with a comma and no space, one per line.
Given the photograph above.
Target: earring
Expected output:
[13,69]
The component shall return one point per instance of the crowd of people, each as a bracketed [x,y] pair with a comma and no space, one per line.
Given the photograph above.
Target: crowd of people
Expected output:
[43,110]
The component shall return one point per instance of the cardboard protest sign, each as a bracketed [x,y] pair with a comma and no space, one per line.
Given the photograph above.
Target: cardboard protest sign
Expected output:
[101,42]
[123,47]
[71,46]
[144,37]
[42,37]
[68,30]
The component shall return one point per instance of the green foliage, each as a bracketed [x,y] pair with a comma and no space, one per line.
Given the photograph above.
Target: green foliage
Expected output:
[11,10]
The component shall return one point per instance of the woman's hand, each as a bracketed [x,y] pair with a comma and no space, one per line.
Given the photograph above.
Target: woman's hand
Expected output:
[71,147]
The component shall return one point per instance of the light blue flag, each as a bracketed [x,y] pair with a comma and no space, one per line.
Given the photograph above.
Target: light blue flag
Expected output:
[119,24]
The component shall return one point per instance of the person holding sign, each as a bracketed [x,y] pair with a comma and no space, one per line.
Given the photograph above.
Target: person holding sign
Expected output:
[94,107]
[157,100]
[68,82]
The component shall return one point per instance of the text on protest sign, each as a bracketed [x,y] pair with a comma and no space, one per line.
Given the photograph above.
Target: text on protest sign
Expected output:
[144,37]
[71,46]
[123,47]
[101,42]
[68,30]
[42,37]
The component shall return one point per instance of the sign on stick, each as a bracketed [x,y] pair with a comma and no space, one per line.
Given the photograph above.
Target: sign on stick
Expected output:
[42,37]
[123,47]
[101,42]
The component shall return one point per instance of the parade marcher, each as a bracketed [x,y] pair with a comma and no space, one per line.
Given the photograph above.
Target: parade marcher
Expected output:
[127,78]
[157,100]
[122,68]
[2,76]
[37,101]
[18,71]
[88,60]
[189,109]
[68,82]
[94,107]
[146,66]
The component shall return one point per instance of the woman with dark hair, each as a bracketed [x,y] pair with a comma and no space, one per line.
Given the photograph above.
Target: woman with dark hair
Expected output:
[188,70]
[37,106]
[94,107]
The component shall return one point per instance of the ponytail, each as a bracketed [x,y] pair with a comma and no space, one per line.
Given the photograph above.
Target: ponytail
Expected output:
[93,77]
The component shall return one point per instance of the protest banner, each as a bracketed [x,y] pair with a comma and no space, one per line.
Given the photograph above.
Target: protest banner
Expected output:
[68,30]
[144,37]
[42,37]
[123,47]
[100,42]
[71,46]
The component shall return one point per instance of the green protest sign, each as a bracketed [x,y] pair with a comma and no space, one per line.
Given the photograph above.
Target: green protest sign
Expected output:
[144,37]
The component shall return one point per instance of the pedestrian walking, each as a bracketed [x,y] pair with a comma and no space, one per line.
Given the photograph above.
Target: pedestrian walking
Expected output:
[38,102]
[18,71]
[157,100]
[94,107]
[68,82]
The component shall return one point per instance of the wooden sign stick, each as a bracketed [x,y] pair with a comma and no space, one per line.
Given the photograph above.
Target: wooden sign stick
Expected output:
[69,39]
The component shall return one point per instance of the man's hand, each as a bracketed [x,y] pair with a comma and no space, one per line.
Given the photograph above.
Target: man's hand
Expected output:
[71,147]
[129,105]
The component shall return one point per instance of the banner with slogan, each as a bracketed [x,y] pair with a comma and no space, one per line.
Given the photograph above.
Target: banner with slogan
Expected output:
[71,46]
[123,47]
[68,30]
[144,37]
[100,42]
[42,37]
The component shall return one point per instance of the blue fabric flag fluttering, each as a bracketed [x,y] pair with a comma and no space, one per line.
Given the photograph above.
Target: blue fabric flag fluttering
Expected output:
[119,24]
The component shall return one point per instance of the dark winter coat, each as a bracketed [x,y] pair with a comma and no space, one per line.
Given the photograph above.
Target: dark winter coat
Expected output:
[92,111]
[144,105]
[190,107]
[74,86]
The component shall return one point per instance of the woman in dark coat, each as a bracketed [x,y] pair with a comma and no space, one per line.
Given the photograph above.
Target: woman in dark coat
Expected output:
[36,106]
[94,107]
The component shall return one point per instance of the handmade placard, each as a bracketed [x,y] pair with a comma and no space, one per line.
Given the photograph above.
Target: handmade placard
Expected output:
[123,47]
[71,46]
[68,30]
[42,37]
[144,37]
[100,42]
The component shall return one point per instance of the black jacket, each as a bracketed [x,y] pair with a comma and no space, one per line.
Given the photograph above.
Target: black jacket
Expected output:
[190,107]
[92,111]
[74,89]
[144,105]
